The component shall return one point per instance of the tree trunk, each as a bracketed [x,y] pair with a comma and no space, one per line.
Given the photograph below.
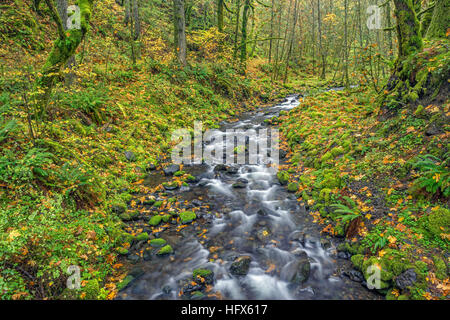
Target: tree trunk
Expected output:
[346,78]
[408,28]
[180,31]
[402,86]
[62,10]
[322,54]
[440,21]
[236,31]
[220,15]
[245,15]
[136,19]
[272,15]
[292,41]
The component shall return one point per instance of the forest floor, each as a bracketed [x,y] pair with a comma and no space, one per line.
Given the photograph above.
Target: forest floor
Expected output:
[68,193]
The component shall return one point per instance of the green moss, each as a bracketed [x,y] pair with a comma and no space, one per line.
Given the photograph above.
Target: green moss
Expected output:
[158,204]
[166,218]
[125,238]
[155,220]
[293,187]
[337,151]
[165,250]
[326,157]
[421,267]
[283,177]
[201,272]
[419,111]
[358,261]
[157,242]
[190,178]
[122,251]
[92,290]
[438,222]
[125,282]
[187,217]
[179,173]
[143,237]
[325,195]
[441,268]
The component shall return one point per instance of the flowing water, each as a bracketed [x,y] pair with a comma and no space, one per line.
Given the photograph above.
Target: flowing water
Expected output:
[262,221]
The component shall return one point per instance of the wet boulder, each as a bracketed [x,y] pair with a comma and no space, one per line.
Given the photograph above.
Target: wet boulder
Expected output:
[203,275]
[298,271]
[220,167]
[406,279]
[240,183]
[171,169]
[240,266]
[354,275]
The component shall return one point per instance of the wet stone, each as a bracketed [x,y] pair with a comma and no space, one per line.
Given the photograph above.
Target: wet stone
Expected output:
[241,266]
[354,275]
[171,169]
[406,279]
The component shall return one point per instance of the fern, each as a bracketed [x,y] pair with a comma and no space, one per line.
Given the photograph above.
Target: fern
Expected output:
[347,214]
[434,174]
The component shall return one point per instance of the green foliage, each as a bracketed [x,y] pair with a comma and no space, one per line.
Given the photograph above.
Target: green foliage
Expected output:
[346,214]
[434,174]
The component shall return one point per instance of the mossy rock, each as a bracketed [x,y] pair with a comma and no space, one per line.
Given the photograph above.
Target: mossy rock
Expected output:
[358,260]
[125,238]
[441,268]
[197,295]
[167,249]
[125,283]
[179,173]
[187,217]
[143,237]
[438,222]
[293,187]
[122,251]
[201,272]
[128,216]
[157,204]
[421,267]
[158,242]
[155,220]
[283,177]
[166,218]
[190,178]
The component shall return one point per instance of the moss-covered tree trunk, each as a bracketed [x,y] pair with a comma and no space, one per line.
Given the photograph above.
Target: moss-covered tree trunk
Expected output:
[408,28]
[245,15]
[179,23]
[63,48]
[398,89]
[220,8]
[440,21]
[413,79]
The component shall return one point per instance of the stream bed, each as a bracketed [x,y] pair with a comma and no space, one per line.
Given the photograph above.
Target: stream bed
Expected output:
[260,243]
